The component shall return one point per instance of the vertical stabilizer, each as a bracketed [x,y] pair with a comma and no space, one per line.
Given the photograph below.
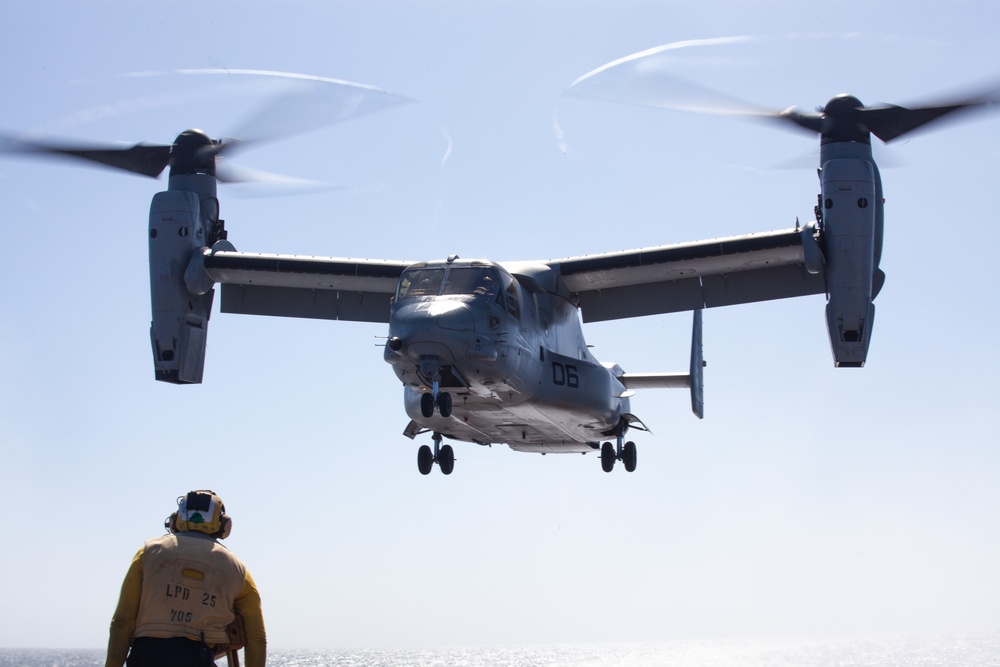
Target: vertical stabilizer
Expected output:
[694,379]
[697,368]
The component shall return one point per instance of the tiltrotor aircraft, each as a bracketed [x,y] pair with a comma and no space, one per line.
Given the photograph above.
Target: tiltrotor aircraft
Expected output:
[494,352]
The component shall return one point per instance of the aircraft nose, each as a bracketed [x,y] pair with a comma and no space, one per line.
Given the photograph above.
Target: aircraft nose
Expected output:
[451,315]
[439,329]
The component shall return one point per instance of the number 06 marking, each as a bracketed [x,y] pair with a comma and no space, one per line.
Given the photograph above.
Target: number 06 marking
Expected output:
[565,375]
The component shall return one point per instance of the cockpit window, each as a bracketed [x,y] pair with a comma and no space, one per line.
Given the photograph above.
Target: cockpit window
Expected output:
[483,281]
[480,281]
[420,282]
[513,303]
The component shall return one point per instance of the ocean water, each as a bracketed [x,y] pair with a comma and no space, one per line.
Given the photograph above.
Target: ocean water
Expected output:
[908,652]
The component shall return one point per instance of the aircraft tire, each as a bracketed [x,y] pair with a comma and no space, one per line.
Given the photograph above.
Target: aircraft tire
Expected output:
[446,459]
[629,456]
[425,460]
[427,405]
[444,404]
[607,457]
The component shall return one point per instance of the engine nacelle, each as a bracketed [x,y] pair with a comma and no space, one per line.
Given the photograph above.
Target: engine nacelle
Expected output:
[179,328]
[851,202]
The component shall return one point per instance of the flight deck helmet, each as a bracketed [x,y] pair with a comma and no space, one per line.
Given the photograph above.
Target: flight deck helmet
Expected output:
[202,511]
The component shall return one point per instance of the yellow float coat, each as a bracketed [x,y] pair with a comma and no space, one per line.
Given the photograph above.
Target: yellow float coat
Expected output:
[186,585]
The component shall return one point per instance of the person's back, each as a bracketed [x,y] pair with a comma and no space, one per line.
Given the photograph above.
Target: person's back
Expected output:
[182,593]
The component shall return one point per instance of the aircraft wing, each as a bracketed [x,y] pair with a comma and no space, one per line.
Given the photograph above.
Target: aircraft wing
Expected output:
[327,288]
[689,276]
[615,285]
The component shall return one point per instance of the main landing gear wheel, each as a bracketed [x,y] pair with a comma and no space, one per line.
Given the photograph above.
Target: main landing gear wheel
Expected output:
[427,405]
[444,404]
[629,456]
[625,453]
[608,457]
[425,460]
[446,459]
[443,455]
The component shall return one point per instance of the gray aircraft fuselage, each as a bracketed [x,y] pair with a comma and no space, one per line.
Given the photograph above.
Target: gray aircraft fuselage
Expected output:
[514,360]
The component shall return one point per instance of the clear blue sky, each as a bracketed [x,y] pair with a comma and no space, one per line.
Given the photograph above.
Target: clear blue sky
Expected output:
[811,501]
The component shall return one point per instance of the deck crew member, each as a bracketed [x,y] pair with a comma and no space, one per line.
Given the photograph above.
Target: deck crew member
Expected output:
[183,594]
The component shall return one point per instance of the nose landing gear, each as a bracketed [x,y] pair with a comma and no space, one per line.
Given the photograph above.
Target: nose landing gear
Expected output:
[443,455]
[436,398]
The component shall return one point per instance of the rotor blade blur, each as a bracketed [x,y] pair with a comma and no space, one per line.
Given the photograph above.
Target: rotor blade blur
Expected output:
[145,159]
[889,121]
[267,184]
[892,122]
[310,102]
[647,79]
[811,122]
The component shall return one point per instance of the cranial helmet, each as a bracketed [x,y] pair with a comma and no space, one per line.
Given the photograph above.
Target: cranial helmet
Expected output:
[202,511]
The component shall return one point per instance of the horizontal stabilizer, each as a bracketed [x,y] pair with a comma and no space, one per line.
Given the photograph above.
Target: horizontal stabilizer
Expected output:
[656,380]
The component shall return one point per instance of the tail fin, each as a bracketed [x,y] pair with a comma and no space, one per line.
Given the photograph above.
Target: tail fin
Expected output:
[694,378]
[697,368]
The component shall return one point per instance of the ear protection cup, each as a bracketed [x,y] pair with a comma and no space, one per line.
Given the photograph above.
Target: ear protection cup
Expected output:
[203,511]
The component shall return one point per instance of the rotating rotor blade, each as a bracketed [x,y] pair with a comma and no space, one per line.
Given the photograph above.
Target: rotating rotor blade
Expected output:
[145,159]
[303,103]
[227,172]
[845,118]
[266,183]
[648,78]
[891,122]
[814,122]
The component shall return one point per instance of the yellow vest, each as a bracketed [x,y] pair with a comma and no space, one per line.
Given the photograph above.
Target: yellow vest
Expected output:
[188,587]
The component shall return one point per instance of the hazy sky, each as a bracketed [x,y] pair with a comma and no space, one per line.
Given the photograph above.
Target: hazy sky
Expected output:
[811,501]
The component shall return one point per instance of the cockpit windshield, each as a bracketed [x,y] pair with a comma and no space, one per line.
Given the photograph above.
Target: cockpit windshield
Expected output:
[481,281]
[420,282]
[472,280]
